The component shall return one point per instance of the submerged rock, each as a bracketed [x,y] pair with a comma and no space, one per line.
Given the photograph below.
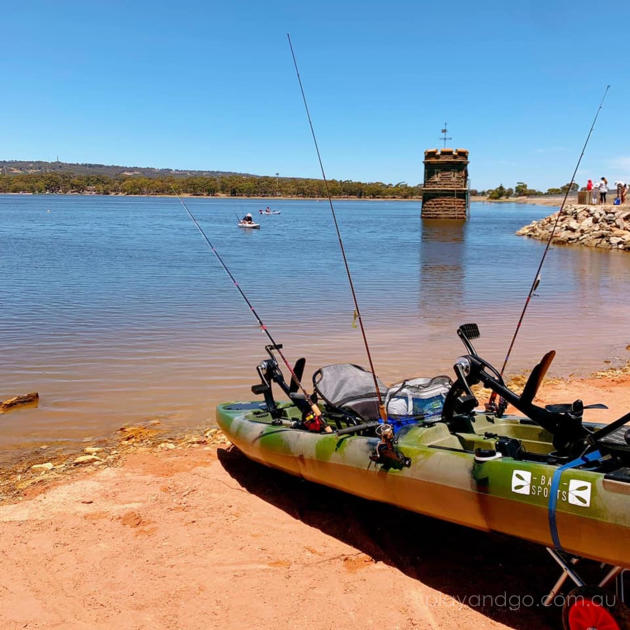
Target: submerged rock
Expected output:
[22,399]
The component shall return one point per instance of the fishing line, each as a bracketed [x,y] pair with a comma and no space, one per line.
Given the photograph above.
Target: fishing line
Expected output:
[263,327]
[536,281]
[381,407]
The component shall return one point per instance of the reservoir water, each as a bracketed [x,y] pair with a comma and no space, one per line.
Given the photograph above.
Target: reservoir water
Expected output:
[115,311]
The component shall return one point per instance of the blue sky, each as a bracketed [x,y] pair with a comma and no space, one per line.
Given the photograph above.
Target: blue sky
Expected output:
[207,85]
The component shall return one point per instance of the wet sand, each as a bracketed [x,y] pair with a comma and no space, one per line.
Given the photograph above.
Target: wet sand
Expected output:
[182,531]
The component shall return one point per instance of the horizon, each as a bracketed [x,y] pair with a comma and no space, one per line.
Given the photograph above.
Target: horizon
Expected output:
[212,87]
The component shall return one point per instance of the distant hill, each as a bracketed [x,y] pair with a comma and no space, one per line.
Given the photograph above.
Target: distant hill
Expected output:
[36,177]
[17,167]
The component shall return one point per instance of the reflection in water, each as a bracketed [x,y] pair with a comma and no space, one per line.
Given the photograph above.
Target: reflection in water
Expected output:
[441,268]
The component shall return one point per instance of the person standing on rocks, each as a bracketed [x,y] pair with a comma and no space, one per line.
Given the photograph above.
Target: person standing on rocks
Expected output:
[618,186]
[594,192]
[603,189]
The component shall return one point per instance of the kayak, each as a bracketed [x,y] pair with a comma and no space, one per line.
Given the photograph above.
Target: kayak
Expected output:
[272,212]
[531,477]
[445,479]
[249,226]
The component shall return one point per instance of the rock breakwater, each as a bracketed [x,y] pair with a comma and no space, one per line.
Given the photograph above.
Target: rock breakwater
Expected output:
[607,227]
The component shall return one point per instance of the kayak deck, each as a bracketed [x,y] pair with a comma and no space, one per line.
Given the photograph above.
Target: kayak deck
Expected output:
[482,433]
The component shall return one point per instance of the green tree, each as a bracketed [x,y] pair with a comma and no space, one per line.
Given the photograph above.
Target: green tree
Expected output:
[520,190]
[497,193]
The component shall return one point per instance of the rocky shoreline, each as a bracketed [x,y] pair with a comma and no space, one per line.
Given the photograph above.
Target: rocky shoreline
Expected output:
[39,468]
[603,226]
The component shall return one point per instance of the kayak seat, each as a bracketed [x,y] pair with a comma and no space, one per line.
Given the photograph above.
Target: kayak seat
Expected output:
[349,389]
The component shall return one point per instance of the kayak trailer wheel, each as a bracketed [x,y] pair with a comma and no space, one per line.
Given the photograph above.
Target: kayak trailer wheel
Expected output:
[590,608]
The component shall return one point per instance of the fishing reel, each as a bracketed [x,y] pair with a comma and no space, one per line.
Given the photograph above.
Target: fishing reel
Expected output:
[314,423]
[386,452]
[268,372]
[496,408]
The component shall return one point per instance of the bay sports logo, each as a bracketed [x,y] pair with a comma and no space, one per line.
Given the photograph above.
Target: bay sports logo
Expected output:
[576,492]
[521,481]
[579,493]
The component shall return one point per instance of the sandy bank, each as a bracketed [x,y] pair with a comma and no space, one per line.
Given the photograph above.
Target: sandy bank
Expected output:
[193,535]
[551,200]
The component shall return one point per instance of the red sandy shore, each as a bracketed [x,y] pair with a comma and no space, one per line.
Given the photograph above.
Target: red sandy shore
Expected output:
[198,537]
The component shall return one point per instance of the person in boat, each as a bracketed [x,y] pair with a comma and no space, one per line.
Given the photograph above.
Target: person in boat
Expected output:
[267,210]
[248,218]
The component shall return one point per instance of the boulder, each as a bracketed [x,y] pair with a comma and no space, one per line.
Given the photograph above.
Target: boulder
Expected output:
[86,459]
[42,467]
[599,226]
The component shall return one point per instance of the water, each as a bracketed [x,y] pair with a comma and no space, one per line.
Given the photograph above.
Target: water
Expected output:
[114,309]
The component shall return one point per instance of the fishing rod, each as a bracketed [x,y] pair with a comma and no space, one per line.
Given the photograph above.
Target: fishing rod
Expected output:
[381,406]
[490,406]
[314,408]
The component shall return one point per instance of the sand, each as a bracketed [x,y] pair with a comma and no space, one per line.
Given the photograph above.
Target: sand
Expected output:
[550,200]
[194,535]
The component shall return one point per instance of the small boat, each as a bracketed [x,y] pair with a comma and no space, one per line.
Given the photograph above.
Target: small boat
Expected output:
[547,476]
[268,211]
[248,226]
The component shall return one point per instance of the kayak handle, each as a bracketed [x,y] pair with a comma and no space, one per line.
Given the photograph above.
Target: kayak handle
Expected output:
[358,427]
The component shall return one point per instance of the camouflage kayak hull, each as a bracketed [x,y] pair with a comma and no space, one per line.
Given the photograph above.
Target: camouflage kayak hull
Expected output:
[445,480]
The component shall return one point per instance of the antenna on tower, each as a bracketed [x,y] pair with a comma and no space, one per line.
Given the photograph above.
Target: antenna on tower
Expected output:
[444,137]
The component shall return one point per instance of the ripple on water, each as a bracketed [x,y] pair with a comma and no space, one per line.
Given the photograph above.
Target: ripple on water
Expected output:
[116,312]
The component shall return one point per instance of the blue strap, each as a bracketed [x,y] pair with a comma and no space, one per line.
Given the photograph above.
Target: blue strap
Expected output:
[555,485]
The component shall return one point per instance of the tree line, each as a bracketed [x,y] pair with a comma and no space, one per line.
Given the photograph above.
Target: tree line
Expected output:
[234,186]
[522,190]
[230,185]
